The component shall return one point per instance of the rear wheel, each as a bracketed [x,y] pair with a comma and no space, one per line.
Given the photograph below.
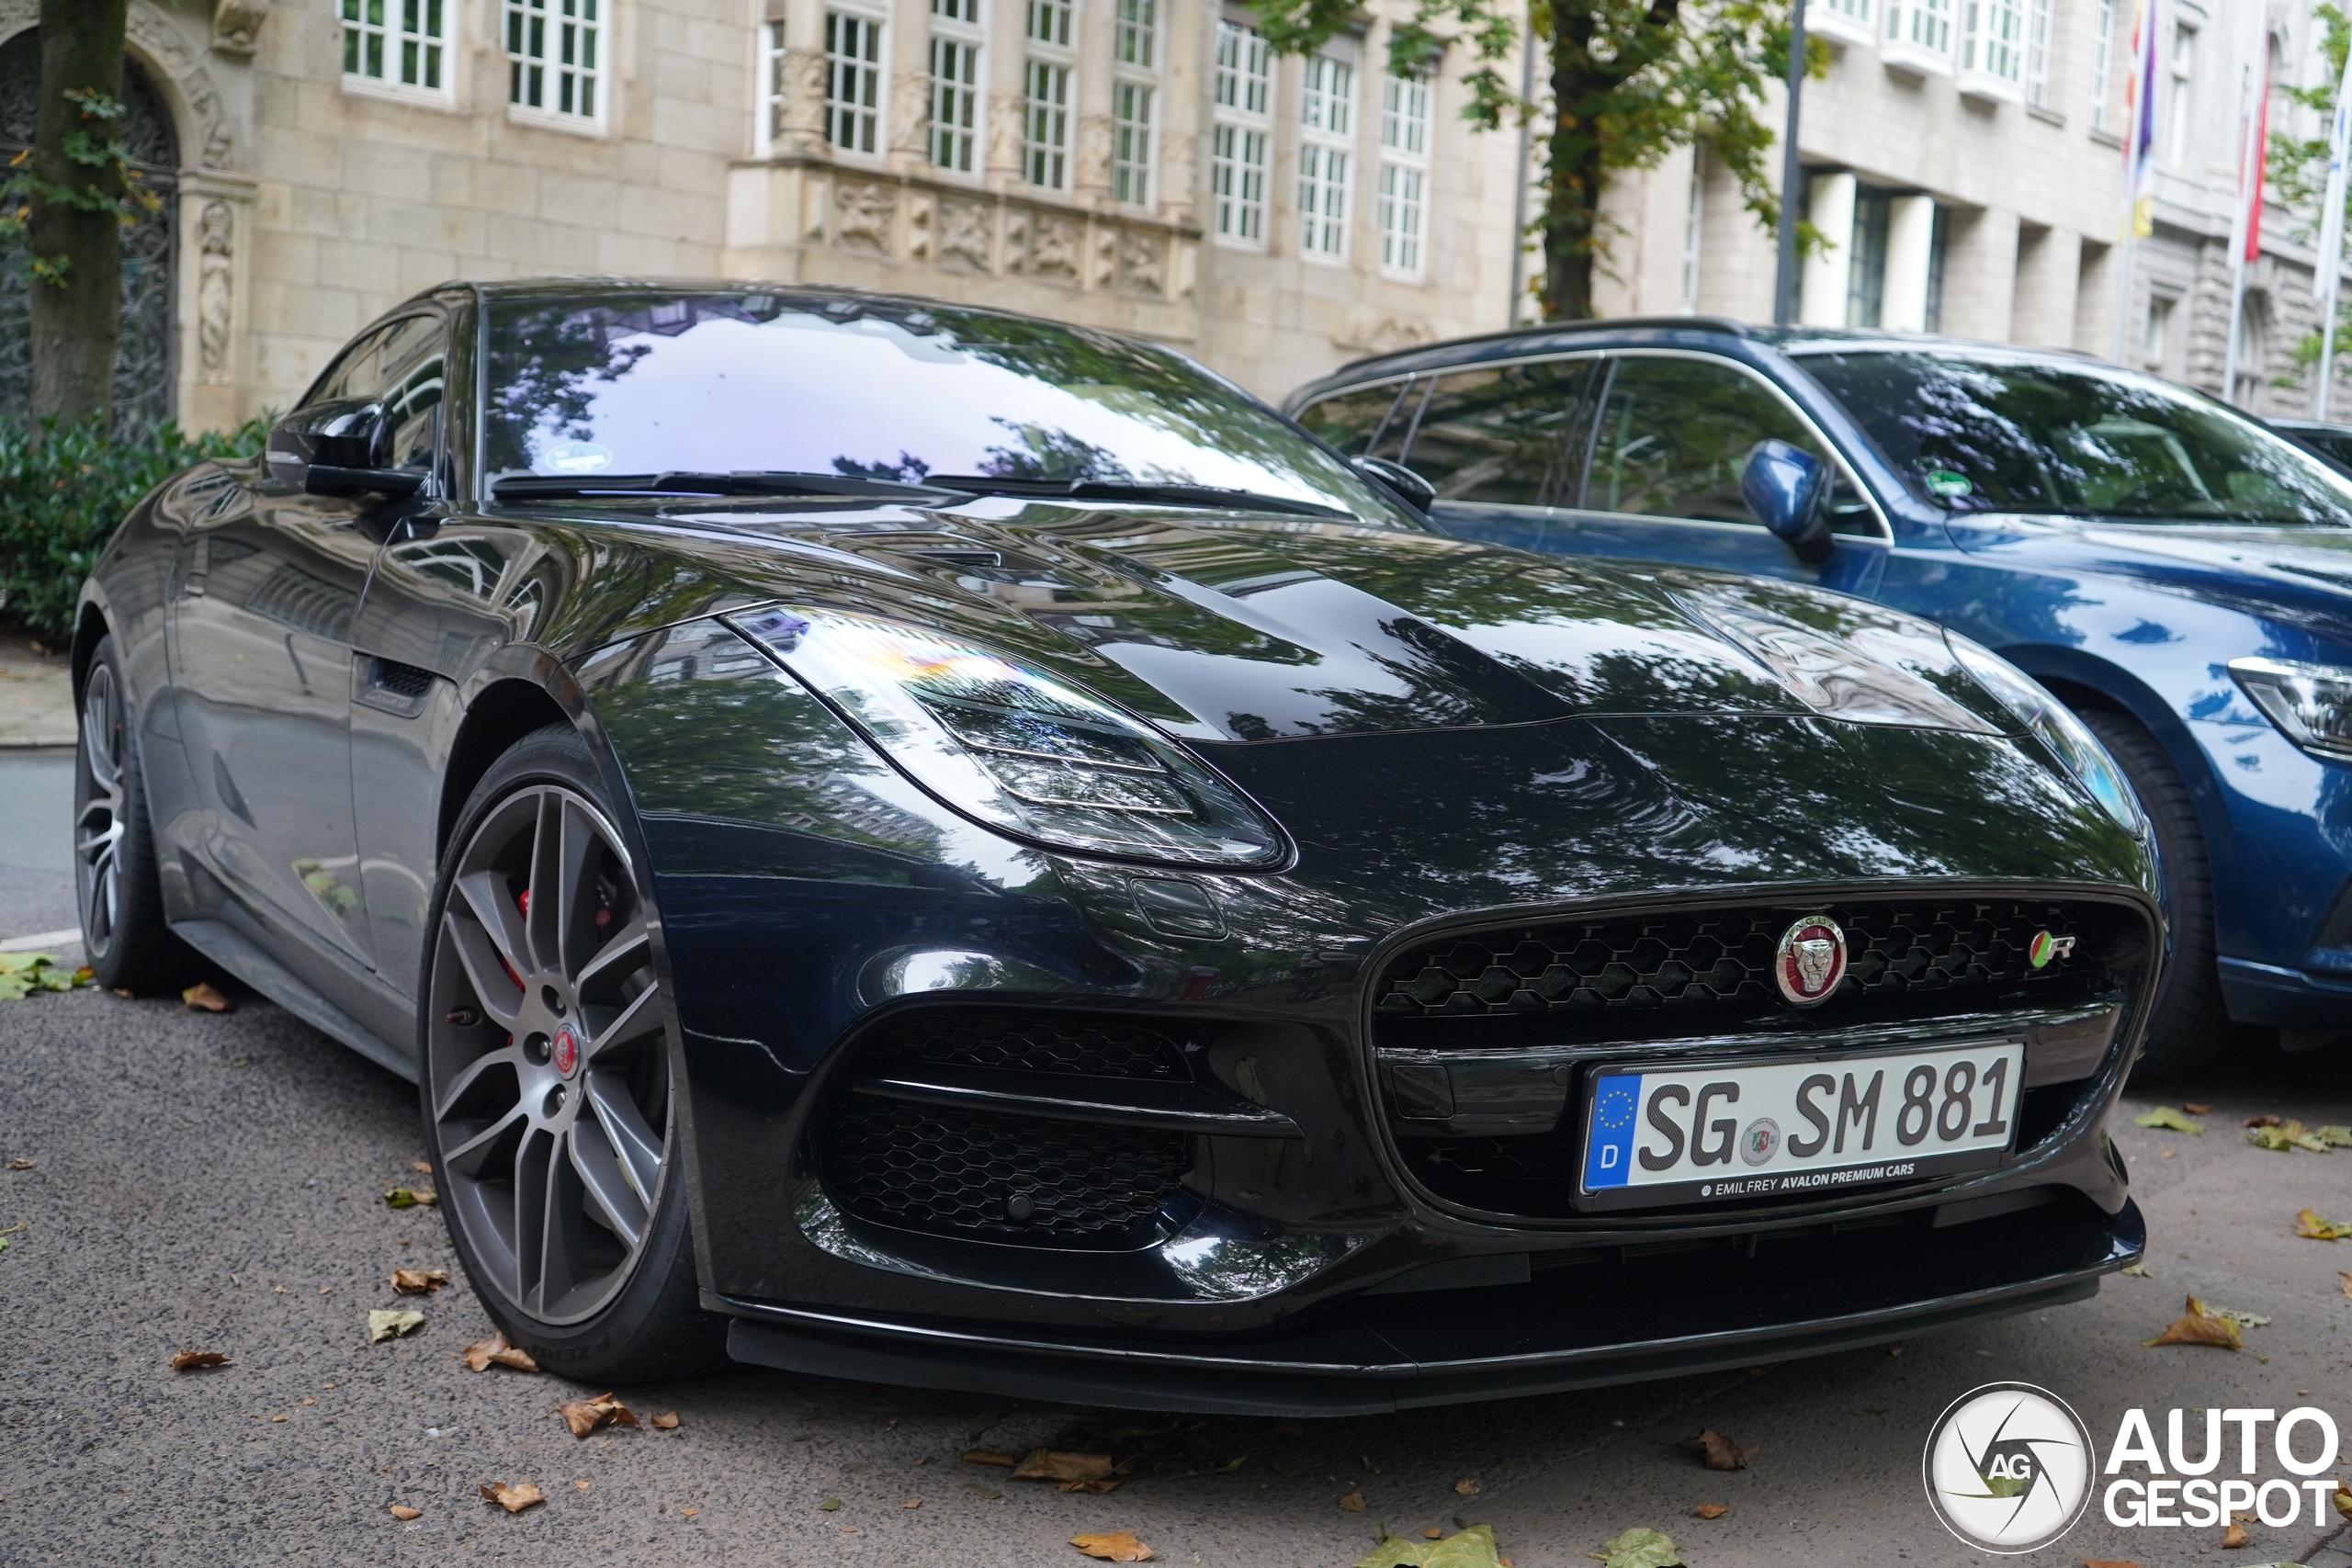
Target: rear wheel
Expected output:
[2189,1024]
[121,899]
[548,1083]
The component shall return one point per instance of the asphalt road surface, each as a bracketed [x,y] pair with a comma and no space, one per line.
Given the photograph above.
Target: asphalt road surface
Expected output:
[214,1183]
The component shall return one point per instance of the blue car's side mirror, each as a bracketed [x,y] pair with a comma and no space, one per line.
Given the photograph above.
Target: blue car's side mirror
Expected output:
[1788,489]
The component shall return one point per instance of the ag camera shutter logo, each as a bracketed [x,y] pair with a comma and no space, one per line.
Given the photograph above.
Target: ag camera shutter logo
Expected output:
[2008,1468]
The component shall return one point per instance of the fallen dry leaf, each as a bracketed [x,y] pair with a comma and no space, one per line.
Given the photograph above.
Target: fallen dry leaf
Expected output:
[2140,1271]
[1721,1453]
[2196,1109]
[2165,1119]
[667,1421]
[422,1166]
[2197,1327]
[126,993]
[1467,1488]
[977,1490]
[1639,1548]
[202,998]
[916,1504]
[1711,1510]
[988,1456]
[2310,1225]
[1432,1533]
[495,1349]
[384,1323]
[419,1282]
[1044,1464]
[515,1498]
[2266,1120]
[190,1360]
[402,1511]
[20,1164]
[409,1197]
[829,1505]
[2347,1284]
[1098,1488]
[2343,1499]
[1352,1502]
[1118,1547]
[585,1415]
[2235,1536]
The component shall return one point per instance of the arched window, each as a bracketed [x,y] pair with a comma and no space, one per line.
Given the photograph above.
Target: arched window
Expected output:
[146,362]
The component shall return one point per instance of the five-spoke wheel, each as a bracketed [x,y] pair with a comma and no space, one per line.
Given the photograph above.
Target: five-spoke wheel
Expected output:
[99,812]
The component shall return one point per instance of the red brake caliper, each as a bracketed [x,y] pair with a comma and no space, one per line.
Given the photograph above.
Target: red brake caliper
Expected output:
[523,899]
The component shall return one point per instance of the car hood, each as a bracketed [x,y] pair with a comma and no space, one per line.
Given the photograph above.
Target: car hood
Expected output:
[2305,566]
[1243,628]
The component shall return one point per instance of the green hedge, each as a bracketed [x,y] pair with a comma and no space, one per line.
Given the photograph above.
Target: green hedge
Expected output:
[61,499]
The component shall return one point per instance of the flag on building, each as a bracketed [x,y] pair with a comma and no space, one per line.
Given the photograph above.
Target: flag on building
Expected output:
[2250,174]
[2140,133]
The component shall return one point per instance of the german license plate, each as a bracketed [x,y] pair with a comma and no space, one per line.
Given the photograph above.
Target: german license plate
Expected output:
[1708,1131]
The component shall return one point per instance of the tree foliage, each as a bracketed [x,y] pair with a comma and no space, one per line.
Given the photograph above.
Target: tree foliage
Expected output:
[1629,82]
[2298,165]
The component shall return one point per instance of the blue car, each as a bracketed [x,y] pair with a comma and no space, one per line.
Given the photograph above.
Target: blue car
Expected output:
[2177,574]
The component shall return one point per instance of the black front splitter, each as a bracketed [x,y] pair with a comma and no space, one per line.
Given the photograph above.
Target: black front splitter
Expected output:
[1619,1322]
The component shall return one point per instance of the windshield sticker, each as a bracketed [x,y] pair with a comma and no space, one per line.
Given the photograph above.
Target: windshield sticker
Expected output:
[574,457]
[1944,483]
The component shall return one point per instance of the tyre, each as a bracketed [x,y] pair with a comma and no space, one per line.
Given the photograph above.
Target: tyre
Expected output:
[549,1079]
[119,898]
[2189,1024]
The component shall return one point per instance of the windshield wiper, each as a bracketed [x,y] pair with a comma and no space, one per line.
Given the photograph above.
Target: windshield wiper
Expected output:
[537,487]
[1120,489]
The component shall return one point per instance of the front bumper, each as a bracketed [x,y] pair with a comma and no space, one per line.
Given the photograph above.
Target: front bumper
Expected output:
[1604,1322]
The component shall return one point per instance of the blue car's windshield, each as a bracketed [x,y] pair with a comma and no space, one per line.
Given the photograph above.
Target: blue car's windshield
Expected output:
[1990,433]
[613,386]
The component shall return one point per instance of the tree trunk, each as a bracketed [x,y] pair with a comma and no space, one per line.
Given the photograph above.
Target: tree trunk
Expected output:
[1572,169]
[77,285]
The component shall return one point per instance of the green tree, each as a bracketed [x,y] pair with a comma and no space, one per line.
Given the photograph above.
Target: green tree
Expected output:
[1629,82]
[2298,165]
[67,202]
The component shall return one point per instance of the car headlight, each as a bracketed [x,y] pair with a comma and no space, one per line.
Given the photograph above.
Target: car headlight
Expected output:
[1014,749]
[2311,704]
[2056,726]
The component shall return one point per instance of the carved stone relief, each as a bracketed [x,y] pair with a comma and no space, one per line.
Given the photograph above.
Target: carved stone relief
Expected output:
[1053,246]
[1143,265]
[922,212]
[1383,332]
[215,294]
[236,25]
[1101,257]
[964,234]
[862,216]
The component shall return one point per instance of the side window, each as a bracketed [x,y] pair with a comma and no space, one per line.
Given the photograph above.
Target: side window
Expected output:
[1499,435]
[1365,422]
[401,365]
[1674,433]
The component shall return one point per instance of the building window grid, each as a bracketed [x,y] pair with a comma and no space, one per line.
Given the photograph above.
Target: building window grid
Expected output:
[1404,173]
[1989,44]
[2180,106]
[2039,25]
[955,102]
[395,43]
[2102,62]
[1132,147]
[1049,23]
[552,50]
[1046,129]
[1240,134]
[1924,22]
[1326,130]
[852,81]
[1860,10]
[1138,41]
[775,65]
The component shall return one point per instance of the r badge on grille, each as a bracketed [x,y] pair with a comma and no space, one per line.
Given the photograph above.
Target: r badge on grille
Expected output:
[1811,962]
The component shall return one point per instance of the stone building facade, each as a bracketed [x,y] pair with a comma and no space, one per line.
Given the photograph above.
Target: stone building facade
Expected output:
[1146,165]
[1964,157]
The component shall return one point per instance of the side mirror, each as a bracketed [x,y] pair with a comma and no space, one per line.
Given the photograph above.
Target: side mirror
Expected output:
[341,447]
[1788,489]
[1416,491]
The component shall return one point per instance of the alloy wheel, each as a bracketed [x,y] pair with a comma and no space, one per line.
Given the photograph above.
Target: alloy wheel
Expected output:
[98,822]
[548,1063]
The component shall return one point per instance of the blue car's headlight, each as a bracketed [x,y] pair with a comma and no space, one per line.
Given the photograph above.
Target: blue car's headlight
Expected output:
[1013,747]
[2055,728]
[2311,704]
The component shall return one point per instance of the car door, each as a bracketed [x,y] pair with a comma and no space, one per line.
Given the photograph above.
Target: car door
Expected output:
[1670,436]
[1502,445]
[264,594]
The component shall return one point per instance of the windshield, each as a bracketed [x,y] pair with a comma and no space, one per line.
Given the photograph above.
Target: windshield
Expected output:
[1994,435]
[626,384]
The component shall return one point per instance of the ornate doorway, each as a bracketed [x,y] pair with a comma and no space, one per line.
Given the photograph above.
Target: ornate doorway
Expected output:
[145,366]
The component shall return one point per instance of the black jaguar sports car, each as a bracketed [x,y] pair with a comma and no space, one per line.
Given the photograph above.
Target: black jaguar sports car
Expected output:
[918,844]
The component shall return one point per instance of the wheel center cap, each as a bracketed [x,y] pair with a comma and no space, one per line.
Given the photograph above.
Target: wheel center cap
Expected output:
[564,1054]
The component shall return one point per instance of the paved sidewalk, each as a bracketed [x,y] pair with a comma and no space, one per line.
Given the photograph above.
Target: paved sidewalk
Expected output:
[36,694]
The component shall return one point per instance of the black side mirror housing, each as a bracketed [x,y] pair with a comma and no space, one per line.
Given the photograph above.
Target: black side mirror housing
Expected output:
[1788,489]
[342,447]
[1416,492]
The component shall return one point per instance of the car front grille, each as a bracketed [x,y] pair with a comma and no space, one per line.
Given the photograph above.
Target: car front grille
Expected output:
[979,1174]
[1025,1043]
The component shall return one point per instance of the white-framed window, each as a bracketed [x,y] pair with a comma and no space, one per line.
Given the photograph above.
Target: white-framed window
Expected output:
[1327,127]
[775,86]
[1992,38]
[1404,175]
[854,82]
[398,45]
[1045,144]
[1921,25]
[555,60]
[1138,44]
[1049,23]
[1241,133]
[1133,142]
[1837,11]
[2156,341]
[2101,83]
[2181,105]
[955,105]
[2038,28]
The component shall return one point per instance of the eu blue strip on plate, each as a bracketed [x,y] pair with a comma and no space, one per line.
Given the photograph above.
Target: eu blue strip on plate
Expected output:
[1609,1148]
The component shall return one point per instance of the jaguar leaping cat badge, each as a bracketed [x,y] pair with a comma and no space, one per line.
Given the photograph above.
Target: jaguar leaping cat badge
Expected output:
[1811,962]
